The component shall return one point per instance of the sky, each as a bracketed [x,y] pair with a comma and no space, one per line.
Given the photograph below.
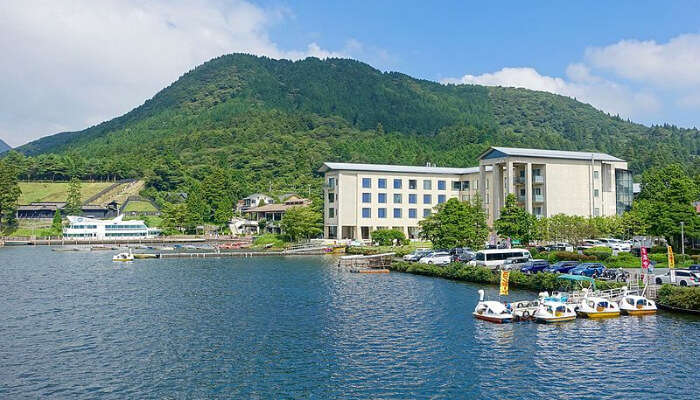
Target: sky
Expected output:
[67,65]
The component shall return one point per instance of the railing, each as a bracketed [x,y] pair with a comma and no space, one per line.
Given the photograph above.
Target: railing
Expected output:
[538,198]
[520,180]
[538,178]
[521,198]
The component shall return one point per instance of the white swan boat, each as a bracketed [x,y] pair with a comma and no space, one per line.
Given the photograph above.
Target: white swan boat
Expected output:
[492,311]
[551,311]
[123,257]
[597,307]
[636,305]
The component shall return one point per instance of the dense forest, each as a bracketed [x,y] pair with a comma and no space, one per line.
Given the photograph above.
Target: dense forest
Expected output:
[269,124]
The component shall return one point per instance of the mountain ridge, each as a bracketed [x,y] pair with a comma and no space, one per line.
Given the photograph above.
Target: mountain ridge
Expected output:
[4,146]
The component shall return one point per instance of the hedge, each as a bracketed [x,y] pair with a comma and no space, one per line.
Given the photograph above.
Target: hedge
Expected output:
[687,298]
[464,272]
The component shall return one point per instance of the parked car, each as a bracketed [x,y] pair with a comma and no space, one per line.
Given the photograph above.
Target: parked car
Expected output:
[417,254]
[590,243]
[695,268]
[561,267]
[684,277]
[559,247]
[615,244]
[591,270]
[534,266]
[437,258]
[462,254]
[513,263]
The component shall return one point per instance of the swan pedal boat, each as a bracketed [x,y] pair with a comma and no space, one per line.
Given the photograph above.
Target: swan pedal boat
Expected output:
[123,257]
[636,305]
[492,311]
[552,311]
[598,307]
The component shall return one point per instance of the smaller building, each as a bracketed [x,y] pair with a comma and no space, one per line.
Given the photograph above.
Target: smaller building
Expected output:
[110,229]
[242,226]
[46,210]
[252,201]
[273,213]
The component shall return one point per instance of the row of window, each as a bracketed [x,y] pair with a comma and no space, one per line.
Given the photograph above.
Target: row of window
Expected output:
[125,227]
[413,184]
[70,235]
[398,198]
[124,234]
[397,212]
[82,227]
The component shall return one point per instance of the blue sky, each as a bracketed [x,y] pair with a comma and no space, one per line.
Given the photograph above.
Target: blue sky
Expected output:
[76,63]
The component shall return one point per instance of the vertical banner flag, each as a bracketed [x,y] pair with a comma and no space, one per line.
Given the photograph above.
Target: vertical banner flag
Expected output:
[671,262]
[645,259]
[504,283]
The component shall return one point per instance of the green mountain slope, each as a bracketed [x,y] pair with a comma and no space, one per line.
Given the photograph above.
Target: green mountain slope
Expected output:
[272,122]
[4,146]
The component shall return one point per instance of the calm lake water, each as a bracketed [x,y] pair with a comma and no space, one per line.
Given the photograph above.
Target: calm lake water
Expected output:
[76,325]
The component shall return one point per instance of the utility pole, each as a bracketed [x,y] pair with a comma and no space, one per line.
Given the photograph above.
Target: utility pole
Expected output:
[682,238]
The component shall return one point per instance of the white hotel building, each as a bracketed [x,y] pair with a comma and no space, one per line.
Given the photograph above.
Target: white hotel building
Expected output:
[360,198]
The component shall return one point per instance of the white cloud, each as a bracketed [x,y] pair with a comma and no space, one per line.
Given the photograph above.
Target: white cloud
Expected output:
[671,65]
[600,93]
[70,64]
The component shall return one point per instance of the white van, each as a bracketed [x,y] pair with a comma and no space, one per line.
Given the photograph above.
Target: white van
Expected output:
[496,257]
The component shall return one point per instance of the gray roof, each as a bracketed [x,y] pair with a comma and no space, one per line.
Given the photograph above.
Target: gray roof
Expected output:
[327,166]
[572,155]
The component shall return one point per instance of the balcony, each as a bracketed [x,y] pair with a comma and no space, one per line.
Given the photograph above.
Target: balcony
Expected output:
[538,179]
[538,198]
[521,198]
[519,180]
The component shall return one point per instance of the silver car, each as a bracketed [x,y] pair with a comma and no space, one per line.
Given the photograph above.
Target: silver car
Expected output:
[684,277]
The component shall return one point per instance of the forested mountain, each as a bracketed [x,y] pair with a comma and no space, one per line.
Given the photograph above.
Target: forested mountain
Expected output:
[271,123]
[4,146]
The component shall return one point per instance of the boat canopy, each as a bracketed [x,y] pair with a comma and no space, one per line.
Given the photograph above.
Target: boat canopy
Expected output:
[577,278]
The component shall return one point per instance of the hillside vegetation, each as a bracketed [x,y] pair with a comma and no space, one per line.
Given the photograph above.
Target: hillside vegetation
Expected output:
[271,123]
[56,191]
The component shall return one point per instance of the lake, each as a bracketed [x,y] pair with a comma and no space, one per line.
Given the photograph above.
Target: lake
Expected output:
[76,325]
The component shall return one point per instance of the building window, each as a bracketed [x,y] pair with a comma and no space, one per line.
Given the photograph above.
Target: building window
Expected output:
[381,197]
[522,173]
[441,198]
[522,192]
[398,183]
[596,193]
[427,212]
[536,172]
[366,183]
[487,184]
[366,197]
[538,191]
[331,182]
[596,174]
[381,183]
[456,185]
[331,197]
[331,213]
[537,211]
[412,213]
[397,213]
[397,198]
[427,184]
[427,199]
[412,184]
[596,212]
[366,213]
[442,185]
[486,199]
[412,198]
[465,185]
[381,212]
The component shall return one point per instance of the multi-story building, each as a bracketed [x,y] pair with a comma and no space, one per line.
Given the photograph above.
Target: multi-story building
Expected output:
[360,198]
[111,229]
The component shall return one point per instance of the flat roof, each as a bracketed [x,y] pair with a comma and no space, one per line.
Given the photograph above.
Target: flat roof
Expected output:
[497,152]
[328,166]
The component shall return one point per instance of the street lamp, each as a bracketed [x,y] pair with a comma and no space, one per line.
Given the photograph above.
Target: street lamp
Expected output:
[682,239]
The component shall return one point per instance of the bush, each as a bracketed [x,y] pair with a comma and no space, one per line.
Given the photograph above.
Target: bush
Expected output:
[600,253]
[385,237]
[687,298]
[568,256]
[268,239]
[658,250]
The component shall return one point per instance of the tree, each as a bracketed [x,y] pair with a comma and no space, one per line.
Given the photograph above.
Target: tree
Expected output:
[386,237]
[73,203]
[301,222]
[568,228]
[9,194]
[57,224]
[456,224]
[515,222]
[175,217]
[223,212]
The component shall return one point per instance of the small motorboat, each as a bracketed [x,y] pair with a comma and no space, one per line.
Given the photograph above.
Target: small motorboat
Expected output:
[636,305]
[551,311]
[597,307]
[492,311]
[123,257]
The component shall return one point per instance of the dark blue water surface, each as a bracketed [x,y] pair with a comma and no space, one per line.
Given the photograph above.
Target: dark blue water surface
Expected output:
[76,325]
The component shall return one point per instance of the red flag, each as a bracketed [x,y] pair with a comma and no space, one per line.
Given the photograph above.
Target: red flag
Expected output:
[645,259]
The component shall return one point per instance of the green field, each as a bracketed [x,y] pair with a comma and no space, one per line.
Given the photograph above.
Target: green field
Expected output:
[56,191]
[139,206]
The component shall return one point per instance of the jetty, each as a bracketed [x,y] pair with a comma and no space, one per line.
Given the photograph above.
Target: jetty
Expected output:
[369,264]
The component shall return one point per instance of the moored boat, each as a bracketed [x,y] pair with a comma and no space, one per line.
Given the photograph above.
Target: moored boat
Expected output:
[636,305]
[554,311]
[597,307]
[123,257]
[492,311]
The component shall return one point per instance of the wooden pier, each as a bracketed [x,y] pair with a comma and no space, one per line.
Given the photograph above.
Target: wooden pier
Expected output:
[370,264]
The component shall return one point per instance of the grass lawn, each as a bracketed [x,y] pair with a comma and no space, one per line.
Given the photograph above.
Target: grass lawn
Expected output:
[152,221]
[56,191]
[140,206]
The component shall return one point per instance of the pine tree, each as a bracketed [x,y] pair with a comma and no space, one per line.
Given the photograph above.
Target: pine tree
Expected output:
[73,203]
[9,194]
[57,224]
